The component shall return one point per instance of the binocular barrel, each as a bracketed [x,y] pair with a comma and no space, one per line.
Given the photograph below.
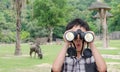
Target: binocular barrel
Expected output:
[86,36]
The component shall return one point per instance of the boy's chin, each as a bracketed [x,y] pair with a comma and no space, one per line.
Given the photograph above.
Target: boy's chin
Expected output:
[78,51]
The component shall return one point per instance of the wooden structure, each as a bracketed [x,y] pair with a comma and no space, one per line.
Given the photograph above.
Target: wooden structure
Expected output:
[107,15]
[102,8]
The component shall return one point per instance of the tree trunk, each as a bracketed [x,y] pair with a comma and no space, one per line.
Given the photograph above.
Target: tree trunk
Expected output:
[104,28]
[18,4]
[51,34]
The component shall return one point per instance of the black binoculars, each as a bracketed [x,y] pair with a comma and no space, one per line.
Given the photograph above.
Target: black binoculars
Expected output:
[72,35]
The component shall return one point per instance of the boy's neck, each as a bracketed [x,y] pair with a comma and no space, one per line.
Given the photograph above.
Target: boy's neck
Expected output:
[78,55]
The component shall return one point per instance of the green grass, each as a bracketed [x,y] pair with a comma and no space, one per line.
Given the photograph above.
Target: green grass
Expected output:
[24,63]
[112,44]
[113,52]
[8,61]
[112,60]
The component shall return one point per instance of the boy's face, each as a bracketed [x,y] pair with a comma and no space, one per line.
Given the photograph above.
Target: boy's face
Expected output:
[78,41]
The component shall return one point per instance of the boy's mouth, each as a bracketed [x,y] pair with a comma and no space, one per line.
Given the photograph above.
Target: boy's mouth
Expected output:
[78,44]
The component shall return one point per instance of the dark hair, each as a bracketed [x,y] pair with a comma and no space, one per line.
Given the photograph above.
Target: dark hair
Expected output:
[77,22]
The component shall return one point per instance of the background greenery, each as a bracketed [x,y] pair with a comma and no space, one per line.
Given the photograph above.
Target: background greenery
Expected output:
[39,16]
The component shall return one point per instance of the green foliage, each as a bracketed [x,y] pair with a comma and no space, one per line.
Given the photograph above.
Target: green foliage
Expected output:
[7,36]
[49,13]
[35,30]
[93,27]
[38,16]
[115,21]
[2,18]
[59,31]
[24,35]
[7,22]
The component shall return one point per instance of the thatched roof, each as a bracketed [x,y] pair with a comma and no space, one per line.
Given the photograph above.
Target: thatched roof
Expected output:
[98,5]
[107,15]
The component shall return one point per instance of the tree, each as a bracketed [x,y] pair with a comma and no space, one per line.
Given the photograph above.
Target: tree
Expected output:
[7,21]
[50,13]
[18,8]
[114,22]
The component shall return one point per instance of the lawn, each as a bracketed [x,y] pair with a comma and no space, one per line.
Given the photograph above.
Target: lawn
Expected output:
[24,63]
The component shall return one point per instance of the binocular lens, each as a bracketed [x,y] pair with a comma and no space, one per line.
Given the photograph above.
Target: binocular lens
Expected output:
[88,37]
[69,36]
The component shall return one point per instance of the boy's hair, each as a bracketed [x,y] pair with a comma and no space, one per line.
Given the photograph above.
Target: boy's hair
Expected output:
[78,22]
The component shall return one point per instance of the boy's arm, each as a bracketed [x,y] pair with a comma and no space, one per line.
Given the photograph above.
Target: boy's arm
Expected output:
[101,65]
[57,65]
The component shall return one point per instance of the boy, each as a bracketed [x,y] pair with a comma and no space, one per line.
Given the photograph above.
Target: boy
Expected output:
[65,63]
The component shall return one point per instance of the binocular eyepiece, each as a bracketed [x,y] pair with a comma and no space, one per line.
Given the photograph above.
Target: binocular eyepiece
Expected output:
[72,35]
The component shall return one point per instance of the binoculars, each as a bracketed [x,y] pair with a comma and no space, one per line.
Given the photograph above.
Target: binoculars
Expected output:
[73,35]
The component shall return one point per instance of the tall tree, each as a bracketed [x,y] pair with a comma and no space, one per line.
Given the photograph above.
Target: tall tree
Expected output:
[18,8]
[50,13]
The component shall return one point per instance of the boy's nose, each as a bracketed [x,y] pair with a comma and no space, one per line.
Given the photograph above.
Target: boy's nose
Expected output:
[78,37]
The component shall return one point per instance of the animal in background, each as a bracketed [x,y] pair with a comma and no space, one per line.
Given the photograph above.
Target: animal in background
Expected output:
[35,48]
